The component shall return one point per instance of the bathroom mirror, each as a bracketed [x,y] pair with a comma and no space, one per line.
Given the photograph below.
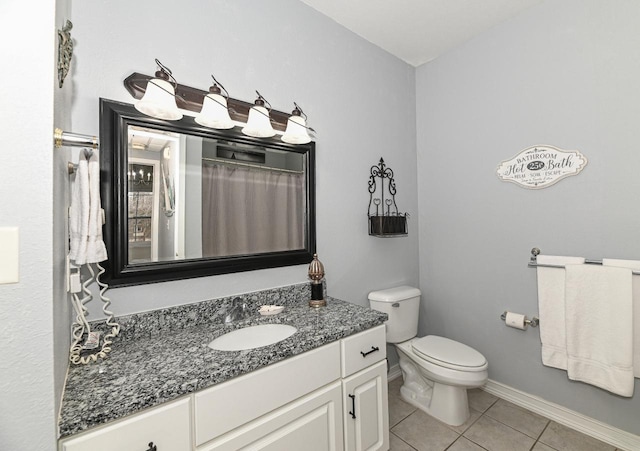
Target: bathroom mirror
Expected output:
[182,200]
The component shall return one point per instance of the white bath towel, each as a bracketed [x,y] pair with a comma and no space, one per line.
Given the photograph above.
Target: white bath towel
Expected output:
[635,287]
[599,327]
[85,214]
[551,283]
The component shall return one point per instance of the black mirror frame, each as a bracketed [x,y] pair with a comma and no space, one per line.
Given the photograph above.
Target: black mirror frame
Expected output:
[115,117]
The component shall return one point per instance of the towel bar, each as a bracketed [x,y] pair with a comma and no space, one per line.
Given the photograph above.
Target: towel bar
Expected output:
[533,262]
[62,138]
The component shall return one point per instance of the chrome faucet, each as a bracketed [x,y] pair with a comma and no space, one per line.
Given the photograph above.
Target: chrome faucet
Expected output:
[237,311]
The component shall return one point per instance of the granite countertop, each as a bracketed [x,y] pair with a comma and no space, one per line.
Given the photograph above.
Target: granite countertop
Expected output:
[148,367]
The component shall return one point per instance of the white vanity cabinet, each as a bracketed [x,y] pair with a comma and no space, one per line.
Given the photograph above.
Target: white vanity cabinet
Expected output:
[364,384]
[167,427]
[305,402]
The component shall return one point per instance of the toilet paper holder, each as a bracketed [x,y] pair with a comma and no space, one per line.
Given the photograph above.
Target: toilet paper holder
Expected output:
[533,322]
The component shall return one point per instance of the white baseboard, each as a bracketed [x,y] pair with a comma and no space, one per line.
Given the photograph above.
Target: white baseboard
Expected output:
[615,437]
[572,419]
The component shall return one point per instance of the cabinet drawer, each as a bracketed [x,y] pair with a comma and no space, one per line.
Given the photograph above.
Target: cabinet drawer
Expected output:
[363,349]
[167,426]
[226,406]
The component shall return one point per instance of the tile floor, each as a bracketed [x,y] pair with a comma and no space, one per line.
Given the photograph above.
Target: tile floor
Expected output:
[494,425]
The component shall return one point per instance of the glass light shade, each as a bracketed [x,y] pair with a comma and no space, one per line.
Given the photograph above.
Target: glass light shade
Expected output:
[159,103]
[296,132]
[259,124]
[214,112]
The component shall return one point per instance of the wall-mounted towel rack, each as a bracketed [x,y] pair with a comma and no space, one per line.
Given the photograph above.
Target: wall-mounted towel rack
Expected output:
[71,167]
[62,138]
[533,262]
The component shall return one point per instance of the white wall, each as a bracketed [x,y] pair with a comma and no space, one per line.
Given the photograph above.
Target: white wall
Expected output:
[563,73]
[32,359]
[359,98]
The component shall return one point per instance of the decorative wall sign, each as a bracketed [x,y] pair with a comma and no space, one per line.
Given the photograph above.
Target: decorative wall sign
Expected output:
[541,166]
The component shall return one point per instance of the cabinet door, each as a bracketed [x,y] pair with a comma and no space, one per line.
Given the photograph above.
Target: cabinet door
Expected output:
[311,423]
[365,411]
[225,407]
[168,427]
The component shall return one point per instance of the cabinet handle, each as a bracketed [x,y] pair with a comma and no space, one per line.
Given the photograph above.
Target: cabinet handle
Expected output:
[152,447]
[353,406]
[373,349]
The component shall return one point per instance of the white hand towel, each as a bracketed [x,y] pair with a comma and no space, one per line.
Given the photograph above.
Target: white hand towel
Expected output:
[85,214]
[96,250]
[79,211]
[635,287]
[551,282]
[599,327]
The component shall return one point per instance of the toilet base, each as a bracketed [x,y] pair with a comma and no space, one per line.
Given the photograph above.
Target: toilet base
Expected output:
[447,403]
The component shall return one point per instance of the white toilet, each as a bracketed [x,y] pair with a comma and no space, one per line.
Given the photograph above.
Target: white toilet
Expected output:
[437,371]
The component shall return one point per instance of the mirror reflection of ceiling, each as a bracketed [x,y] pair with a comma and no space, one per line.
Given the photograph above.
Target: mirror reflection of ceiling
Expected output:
[418,31]
[150,140]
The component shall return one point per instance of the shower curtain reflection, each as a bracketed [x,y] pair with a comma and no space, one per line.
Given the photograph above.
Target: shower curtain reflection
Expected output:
[272,217]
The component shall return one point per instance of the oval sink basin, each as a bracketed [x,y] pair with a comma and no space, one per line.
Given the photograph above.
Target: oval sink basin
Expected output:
[252,337]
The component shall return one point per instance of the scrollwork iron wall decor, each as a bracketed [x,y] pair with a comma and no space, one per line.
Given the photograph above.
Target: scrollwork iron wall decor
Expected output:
[65,51]
[384,218]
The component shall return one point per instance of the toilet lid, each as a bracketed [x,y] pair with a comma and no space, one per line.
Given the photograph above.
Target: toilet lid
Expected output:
[448,353]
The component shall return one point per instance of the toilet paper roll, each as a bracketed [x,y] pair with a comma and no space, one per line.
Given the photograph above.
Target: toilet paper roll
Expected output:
[515,320]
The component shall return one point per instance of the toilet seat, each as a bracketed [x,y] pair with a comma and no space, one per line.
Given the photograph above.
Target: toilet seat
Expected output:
[448,353]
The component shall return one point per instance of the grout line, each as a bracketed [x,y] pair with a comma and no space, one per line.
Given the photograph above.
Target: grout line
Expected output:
[511,427]
[468,427]
[401,420]
[543,431]
[466,438]
[398,437]
[528,411]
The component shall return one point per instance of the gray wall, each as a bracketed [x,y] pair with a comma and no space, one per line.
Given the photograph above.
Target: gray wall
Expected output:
[563,73]
[62,99]
[359,98]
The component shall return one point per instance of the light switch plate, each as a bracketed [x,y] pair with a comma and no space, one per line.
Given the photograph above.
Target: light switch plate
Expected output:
[9,262]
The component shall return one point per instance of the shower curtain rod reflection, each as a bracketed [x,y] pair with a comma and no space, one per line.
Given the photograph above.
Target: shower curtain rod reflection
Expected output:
[249,165]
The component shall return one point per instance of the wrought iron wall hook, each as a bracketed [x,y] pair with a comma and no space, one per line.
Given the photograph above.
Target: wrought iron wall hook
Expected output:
[65,51]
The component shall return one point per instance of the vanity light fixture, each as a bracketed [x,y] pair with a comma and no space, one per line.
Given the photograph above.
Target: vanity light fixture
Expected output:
[259,122]
[215,112]
[159,98]
[296,132]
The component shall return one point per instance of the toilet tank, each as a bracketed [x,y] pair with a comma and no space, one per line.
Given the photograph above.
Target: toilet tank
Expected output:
[402,305]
